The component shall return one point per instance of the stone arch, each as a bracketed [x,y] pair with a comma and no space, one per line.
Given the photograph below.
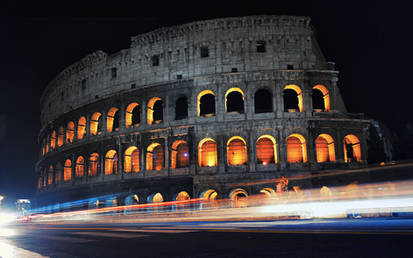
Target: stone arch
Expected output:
[96,124]
[133,115]
[81,128]
[268,192]
[111,162]
[239,198]
[50,175]
[155,198]
[60,136]
[352,148]
[180,154]
[155,111]
[207,153]
[206,103]
[131,199]
[67,175]
[70,132]
[296,148]
[263,101]
[80,166]
[53,140]
[182,196]
[154,157]
[236,151]
[234,100]
[181,108]
[112,120]
[93,164]
[320,98]
[131,159]
[293,98]
[266,150]
[325,150]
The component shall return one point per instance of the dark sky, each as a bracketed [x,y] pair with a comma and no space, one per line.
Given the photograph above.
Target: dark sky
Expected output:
[370,42]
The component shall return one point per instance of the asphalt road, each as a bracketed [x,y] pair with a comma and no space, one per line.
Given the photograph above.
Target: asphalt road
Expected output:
[289,238]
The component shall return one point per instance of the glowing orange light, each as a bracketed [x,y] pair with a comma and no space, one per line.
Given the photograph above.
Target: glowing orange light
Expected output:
[111,162]
[154,157]
[60,136]
[207,153]
[296,149]
[80,167]
[70,132]
[352,143]
[67,170]
[53,140]
[94,123]
[110,119]
[326,96]
[266,150]
[129,114]
[179,155]
[81,128]
[325,148]
[299,92]
[236,151]
[131,159]
[151,104]
[93,164]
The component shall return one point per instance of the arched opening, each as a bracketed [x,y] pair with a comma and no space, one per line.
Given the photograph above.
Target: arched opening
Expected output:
[96,124]
[324,145]
[112,120]
[53,140]
[154,157]
[180,154]
[133,115]
[70,132]
[93,164]
[181,108]
[234,100]
[321,99]
[67,170]
[58,173]
[236,151]
[268,192]
[111,162]
[131,159]
[263,101]
[61,135]
[182,196]
[81,128]
[132,199]
[296,149]
[352,149]
[47,143]
[239,198]
[155,198]
[80,167]
[50,175]
[206,103]
[293,99]
[155,111]
[208,199]
[207,153]
[266,150]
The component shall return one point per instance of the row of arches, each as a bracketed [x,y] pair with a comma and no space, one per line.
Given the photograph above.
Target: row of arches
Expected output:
[234,102]
[236,154]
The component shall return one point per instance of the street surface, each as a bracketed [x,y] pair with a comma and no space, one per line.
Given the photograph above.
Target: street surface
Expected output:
[367,237]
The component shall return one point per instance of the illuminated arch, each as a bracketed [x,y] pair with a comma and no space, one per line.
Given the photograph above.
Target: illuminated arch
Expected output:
[93,164]
[47,143]
[53,140]
[131,160]
[133,116]
[352,148]
[112,120]
[70,132]
[239,198]
[154,157]
[268,192]
[324,145]
[207,153]
[155,198]
[132,199]
[296,149]
[80,167]
[182,196]
[60,136]
[58,173]
[299,93]
[325,98]
[209,194]
[203,101]
[50,175]
[111,162]
[180,154]
[81,128]
[263,101]
[154,111]
[233,98]
[95,124]
[325,192]
[266,150]
[67,174]
[236,151]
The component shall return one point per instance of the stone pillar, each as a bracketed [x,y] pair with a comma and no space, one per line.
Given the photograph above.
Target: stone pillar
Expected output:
[122,117]
[120,158]
[166,154]
[221,153]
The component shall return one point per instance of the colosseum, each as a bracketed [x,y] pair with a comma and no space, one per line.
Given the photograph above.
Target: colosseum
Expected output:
[198,110]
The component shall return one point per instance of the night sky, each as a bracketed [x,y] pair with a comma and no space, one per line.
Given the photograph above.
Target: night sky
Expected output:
[370,42]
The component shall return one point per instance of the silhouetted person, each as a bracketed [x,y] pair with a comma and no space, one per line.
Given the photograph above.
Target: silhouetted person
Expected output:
[349,149]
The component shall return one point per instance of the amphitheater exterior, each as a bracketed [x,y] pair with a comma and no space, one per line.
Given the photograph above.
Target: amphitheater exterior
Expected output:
[198,110]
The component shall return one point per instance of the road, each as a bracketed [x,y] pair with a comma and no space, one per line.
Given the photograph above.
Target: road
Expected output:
[369,237]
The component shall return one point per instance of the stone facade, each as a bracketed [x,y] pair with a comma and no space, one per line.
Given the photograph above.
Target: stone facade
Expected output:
[244,55]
